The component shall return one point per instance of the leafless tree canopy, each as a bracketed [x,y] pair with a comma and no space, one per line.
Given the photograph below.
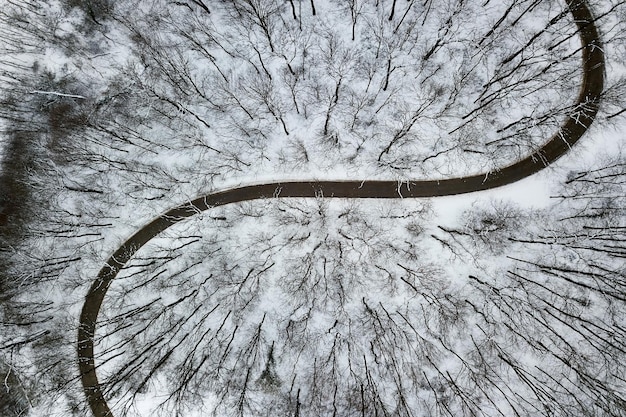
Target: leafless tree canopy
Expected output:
[113,112]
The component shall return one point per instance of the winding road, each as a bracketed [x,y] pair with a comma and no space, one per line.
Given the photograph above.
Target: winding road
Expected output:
[570,132]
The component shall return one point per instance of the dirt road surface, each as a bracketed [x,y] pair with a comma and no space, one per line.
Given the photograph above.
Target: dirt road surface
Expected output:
[560,143]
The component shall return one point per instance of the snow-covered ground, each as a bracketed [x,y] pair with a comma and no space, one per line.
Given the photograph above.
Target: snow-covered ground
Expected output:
[316,305]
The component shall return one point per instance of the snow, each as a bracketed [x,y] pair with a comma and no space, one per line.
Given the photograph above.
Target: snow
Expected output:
[349,293]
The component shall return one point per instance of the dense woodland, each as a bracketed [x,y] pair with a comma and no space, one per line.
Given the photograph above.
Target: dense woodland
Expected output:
[114,111]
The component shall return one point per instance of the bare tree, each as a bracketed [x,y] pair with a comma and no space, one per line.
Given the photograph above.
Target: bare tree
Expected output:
[305,306]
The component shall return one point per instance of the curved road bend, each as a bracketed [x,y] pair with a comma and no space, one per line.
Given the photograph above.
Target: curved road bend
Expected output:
[570,132]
